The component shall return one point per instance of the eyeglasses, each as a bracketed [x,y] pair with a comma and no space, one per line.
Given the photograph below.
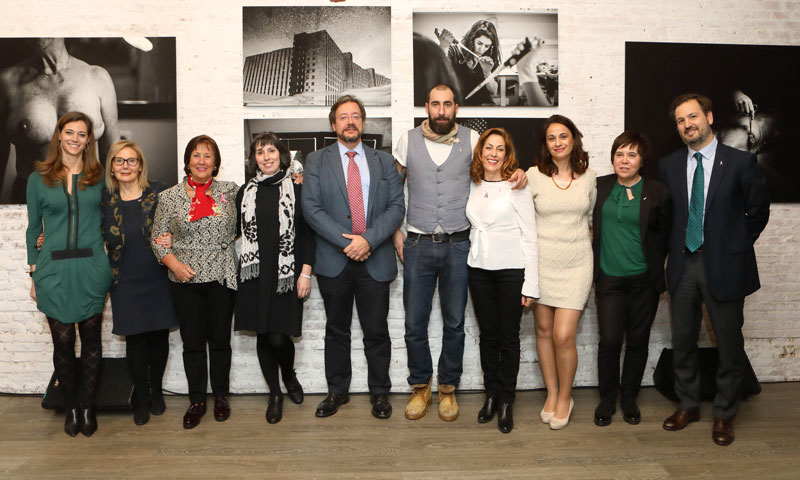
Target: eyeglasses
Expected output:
[133,161]
[344,116]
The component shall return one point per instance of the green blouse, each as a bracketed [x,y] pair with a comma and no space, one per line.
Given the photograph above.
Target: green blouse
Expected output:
[72,274]
[621,252]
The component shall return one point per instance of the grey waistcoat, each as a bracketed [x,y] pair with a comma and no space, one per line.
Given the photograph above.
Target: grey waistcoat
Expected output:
[437,195]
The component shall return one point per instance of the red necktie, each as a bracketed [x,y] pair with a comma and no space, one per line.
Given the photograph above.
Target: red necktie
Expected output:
[355,196]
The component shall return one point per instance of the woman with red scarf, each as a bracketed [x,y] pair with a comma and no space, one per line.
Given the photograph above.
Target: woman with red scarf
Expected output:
[200,214]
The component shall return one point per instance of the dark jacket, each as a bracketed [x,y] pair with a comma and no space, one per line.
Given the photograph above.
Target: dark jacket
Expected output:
[112,223]
[655,219]
[737,210]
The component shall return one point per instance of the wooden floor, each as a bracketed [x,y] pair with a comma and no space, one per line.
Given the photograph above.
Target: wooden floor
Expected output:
[353,444]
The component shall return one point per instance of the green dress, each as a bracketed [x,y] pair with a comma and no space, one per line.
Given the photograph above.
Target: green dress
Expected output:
[72,273]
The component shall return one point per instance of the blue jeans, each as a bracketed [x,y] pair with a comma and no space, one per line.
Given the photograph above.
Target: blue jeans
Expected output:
[424,263]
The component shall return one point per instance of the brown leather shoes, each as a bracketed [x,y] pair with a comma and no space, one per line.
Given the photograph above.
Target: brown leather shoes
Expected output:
[192,417]
[722,434]
[681,418]
[222,410]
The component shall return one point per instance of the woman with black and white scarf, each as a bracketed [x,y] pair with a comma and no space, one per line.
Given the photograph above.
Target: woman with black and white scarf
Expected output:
[275,260]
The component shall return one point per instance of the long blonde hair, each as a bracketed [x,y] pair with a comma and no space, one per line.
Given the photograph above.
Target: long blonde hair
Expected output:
[111,182]
[52,167]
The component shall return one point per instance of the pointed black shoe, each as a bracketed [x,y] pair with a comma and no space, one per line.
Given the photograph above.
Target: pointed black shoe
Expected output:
[604,412]
[72,424]
[505,417]
[275,408]
[88,419]
[486,414]
[293,388]
[630,411]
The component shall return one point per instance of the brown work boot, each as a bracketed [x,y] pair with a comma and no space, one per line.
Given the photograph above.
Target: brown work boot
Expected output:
[418,401]
[448,408]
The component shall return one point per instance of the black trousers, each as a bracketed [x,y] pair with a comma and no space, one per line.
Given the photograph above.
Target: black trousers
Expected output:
[496,298]
[727,319]
[372,303]
[204,313]
[626,308]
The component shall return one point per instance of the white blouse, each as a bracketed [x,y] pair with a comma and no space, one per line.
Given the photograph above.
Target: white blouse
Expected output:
[503,233]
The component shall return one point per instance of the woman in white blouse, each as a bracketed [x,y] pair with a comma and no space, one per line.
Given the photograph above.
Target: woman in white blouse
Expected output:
[503,268]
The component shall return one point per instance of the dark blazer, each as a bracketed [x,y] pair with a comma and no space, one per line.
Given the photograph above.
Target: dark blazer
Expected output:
[655,221]
[326,208]
[112,222]
[737,210]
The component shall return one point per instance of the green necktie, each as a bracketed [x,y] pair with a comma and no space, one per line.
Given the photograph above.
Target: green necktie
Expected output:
[694,227]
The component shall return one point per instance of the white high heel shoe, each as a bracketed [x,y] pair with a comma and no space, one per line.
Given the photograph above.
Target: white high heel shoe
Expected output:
[546,416]
[559,423]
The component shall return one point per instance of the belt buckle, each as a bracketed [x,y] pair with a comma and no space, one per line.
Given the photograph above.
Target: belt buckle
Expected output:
[438,237]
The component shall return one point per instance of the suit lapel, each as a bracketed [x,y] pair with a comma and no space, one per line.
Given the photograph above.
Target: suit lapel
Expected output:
[335,164]
[373,164]
[603,191]
[717,172]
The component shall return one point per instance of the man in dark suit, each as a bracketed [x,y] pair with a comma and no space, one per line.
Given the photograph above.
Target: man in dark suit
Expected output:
[720,207]
[353,200]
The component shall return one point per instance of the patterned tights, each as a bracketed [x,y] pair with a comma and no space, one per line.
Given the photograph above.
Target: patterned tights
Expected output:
[78,378]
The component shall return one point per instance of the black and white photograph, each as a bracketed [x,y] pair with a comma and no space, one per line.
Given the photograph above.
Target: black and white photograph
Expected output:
[491,59]
[126,85]
[755,95]
[314,55]
[525,132]
[304,135]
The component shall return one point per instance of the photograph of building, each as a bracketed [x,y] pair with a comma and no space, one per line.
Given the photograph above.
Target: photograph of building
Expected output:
[326,58]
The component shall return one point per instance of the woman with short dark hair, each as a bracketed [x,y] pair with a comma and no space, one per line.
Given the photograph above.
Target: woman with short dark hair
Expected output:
[632,223]
[200,214]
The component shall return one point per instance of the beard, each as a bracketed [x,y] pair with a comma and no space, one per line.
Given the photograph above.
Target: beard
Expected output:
[440,128]
[349,136]
[701,137]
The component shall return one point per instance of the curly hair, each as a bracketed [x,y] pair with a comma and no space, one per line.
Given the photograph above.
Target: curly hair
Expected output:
[510,163]
[578,158]
[52,167]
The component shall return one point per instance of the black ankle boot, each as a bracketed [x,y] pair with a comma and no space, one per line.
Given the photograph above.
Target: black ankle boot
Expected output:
[293,388]
[88,420]
[505,417]
[275,408]
[157,404]
[72,424]
[486,414]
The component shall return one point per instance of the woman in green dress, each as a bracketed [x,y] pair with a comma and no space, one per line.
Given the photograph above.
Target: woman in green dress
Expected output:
[70,275]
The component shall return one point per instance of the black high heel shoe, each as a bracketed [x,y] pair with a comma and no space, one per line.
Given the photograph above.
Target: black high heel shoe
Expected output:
[275,408]
[72,424]
[486,414]
[88,418]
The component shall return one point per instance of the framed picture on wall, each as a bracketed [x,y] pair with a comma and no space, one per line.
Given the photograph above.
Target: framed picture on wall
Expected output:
[126,85]
[491,59]
[755,95]
[313,55]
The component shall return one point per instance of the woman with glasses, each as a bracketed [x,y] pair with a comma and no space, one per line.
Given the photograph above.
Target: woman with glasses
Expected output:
[140,299]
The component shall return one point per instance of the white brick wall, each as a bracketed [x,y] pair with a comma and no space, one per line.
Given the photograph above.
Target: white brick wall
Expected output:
[592,37]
